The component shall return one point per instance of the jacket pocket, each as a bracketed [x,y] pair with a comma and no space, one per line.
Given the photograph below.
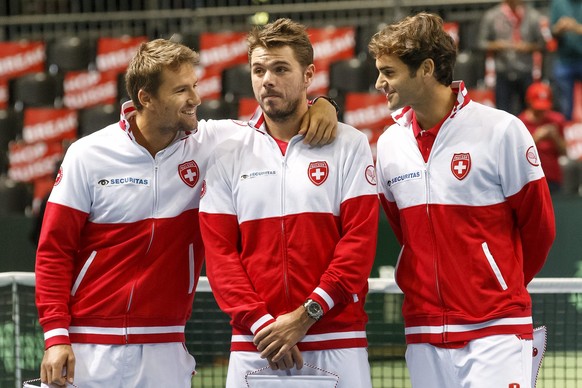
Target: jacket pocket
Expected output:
[83,273]
[494,266]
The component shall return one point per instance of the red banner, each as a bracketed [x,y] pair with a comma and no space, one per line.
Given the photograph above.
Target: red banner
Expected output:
[19,58]
[219,51]
[3,93]
[88,88]
[246,108]
[29,162]
[49,124]
[329,45]
[115,53]
[453,29]
[483,96]
[369,113]
[573,137]
[16,59]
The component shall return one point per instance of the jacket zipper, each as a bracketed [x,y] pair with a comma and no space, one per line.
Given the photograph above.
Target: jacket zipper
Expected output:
[154,212]
[283,230]
[432,235]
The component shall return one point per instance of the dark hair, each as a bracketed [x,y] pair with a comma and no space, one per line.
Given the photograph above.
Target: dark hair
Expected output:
[416,38]
[145,68]
[283,32]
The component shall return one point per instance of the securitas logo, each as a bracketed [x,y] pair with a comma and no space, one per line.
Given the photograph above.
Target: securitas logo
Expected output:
[257,174]
[124,181]
[404,178]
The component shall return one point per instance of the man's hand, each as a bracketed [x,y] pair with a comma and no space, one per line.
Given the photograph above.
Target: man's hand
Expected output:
[290,359]
[319,124]
[58,365]
[275,340]
[567,24]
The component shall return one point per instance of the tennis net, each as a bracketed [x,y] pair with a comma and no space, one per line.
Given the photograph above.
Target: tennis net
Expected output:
[557,305]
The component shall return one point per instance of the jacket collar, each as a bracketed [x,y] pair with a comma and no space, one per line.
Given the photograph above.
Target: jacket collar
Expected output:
[404,115]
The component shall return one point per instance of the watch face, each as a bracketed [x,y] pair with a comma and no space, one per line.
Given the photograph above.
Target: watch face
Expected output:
[314,310]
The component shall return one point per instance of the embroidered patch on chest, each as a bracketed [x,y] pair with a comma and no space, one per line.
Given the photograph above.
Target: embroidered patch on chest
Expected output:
[189,173]
[461,165]
[318,172]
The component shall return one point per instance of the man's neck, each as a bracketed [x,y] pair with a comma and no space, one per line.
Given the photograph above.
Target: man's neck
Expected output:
[151,139]
[285,130]
[437,106]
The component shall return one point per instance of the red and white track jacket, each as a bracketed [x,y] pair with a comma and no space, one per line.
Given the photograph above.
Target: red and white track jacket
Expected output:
[281,229]
[120,250]
[475,223]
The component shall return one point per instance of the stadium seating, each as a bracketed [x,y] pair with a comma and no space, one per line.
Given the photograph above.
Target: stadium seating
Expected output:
[470,67]
[35,90]
[10,129]
[97,117]
[69,53]
[351,75]
[14,197]
[236,82]
[217,109]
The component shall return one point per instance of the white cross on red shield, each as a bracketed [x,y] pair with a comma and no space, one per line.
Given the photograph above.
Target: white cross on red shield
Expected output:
[189,173]
[318,172]
[461,165]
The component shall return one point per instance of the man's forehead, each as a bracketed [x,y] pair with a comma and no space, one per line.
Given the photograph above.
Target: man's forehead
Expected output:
[270,56]
[388,61]
[170,75]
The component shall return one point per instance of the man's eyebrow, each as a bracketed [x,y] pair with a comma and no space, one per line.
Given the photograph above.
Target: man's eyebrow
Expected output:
[275,63]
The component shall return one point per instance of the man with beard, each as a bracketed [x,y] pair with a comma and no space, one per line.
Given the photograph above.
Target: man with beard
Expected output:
[120,250]
[290,231]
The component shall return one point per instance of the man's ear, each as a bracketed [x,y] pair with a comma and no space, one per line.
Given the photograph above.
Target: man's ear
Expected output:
[427,67]
[308,74]
[144,98]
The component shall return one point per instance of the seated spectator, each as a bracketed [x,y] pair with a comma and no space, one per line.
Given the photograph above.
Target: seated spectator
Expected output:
[547,129]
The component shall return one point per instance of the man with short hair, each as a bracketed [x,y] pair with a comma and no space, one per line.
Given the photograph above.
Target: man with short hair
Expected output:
[290,231]
[463,189]
[120,250]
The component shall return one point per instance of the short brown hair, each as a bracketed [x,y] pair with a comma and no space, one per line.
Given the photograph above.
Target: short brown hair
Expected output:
[416,38]
[145,68]
[283,32]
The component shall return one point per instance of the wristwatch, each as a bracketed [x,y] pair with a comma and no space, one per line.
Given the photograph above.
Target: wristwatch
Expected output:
[313,309]
[330,100]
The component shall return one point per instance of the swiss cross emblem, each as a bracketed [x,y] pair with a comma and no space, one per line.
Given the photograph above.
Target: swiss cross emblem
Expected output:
[189,173]
[461,165]
[514,385]
[318,172]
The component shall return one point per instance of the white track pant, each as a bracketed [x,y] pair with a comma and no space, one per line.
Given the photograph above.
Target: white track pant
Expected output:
[349,365]
[499,361]
[129,366]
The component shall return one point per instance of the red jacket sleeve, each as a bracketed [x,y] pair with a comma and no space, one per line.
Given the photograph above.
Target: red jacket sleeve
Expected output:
[348,272]
[234,293]
[58,243]
[534,212]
